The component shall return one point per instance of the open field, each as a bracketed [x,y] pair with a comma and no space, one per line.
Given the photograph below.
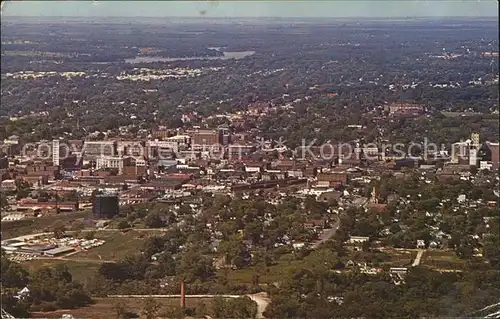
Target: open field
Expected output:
[41,224]
[267,275]
[84,264]
[400,258]
[103,308]
[440,259]
[81,270]
[117,245]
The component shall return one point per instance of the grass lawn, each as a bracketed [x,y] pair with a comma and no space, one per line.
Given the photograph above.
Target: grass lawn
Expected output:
[41,224]
[441,259]
[117,245]
[267,275]
[401,258]
[103,308]
[81,270]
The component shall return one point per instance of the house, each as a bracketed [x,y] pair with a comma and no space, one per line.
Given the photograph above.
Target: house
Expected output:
[328,196]
[315,223]
[358,239]
[420,243]
[298,245]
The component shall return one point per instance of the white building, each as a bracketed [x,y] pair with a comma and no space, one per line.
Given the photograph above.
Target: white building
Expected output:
[55,152]
[110,162]
[357,239]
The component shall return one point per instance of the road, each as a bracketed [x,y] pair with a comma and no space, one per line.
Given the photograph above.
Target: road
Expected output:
[327,234]
[417,260]
[260,299]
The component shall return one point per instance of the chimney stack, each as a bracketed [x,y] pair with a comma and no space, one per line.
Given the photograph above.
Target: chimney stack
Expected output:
[183,295]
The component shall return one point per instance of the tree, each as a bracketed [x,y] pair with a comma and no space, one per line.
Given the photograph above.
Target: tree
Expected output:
[150,308]
[490,249]
[3,201]
[56,286]
[59,230]
[153,220]
[242,307]
[195,264]
[13,274]
[123,225]
[14,306]
[473,169]
[236,252]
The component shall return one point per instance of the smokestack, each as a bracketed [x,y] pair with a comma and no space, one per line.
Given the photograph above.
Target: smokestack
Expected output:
[183,295]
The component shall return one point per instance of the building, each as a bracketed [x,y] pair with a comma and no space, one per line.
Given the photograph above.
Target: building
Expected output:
[162,149]
[130,148]
[117,162]
[99,148]
[105,206]
[206,139]
[358,239]
[55,152]
[466,152]
[406,109]
[333,179]
[8,184]
[59,251]
[494,148]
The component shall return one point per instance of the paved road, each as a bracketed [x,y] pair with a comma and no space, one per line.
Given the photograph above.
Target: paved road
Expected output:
[327,234]
[260,299]
[417,260]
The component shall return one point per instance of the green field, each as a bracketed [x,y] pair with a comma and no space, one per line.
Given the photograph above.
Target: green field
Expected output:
[117,246]
[441,259]
[81,270]
[267,275]
[103,308]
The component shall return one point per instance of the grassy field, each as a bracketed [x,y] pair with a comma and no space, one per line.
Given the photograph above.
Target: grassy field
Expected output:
[117,246]
[399,258]
[267,275]
[81,270]
[84,264]
[103,308]
[41,224]
[440,259]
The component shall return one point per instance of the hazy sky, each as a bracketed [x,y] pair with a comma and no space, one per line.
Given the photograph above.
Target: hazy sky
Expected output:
[333,8]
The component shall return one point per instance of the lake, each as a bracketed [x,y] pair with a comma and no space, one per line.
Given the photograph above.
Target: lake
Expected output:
[227,56]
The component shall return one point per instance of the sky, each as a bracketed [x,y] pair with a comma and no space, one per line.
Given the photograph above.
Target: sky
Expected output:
[261,8]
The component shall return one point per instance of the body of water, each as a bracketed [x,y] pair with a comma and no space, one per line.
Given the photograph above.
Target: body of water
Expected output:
[227,56]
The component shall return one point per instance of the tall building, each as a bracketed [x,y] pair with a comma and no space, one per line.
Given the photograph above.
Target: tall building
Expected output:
[105,206]
[494,148]
[55,152]
[466,152]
